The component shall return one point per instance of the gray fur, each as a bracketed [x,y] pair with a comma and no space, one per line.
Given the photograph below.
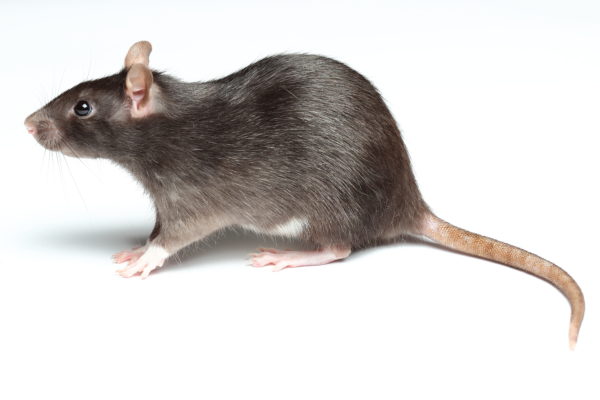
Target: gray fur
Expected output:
[290,136]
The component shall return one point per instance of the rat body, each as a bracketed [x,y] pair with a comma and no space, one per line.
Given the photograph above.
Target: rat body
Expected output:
[295,145]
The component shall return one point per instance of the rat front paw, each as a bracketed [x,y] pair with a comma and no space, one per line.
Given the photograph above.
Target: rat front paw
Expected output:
[153,257]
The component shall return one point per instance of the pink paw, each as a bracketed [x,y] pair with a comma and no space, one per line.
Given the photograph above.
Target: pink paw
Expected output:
[281,259]
[273,257]
[146,262]
[128,255]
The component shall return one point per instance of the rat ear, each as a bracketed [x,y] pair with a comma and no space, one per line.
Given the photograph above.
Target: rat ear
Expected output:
[139,53]
[139,78]
[138,85]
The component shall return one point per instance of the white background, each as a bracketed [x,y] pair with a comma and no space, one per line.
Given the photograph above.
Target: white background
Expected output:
[498,104]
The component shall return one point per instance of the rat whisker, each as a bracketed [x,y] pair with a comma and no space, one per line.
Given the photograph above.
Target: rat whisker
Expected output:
[87,76]
[66,143]
[53,90]
[51,163]
[43,162]
[62,76]
[40,97]
[43,94]
[79,158]
[60,173]
[75,182]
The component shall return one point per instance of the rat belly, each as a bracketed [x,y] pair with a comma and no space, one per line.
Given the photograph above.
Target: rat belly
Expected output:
[291,228]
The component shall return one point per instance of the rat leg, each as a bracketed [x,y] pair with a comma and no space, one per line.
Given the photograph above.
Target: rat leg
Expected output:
[164,243]
[135,253]
[280,259]
[153,257]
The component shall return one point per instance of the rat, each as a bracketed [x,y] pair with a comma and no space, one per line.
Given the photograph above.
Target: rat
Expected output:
[294,145]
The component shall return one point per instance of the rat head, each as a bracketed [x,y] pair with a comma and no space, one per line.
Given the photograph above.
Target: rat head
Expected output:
[86,120]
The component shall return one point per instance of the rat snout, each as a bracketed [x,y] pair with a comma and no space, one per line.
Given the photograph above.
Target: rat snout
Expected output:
[31,124]
[30,128]
[43,130]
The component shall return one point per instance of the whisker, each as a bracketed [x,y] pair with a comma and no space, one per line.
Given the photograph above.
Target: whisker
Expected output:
[43,94]
[53,85]
[75,183]
[43,162]
[61,79]
[87,77]
[60,174]
[40,97]
[52,163]
[81,160]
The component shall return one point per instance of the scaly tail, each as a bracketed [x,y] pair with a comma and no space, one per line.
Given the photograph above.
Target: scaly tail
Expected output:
[471,243]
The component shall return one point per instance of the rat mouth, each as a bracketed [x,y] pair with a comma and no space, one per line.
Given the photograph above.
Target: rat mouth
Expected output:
[54,141]
[46,134]
[50,139]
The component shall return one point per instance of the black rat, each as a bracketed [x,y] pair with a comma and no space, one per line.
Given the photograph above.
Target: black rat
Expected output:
[296,145]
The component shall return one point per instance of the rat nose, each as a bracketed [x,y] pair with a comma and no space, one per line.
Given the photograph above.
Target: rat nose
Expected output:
[30,129]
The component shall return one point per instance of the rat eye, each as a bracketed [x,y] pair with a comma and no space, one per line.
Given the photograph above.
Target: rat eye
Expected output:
[82,108]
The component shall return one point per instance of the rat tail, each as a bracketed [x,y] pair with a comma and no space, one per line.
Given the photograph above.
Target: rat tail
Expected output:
[467,242]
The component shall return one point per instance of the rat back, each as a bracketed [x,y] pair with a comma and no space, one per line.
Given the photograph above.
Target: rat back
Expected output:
[292,144]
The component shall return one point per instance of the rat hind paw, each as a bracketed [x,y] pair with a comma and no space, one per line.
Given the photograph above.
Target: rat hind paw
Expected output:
[153,257]
[281,259]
